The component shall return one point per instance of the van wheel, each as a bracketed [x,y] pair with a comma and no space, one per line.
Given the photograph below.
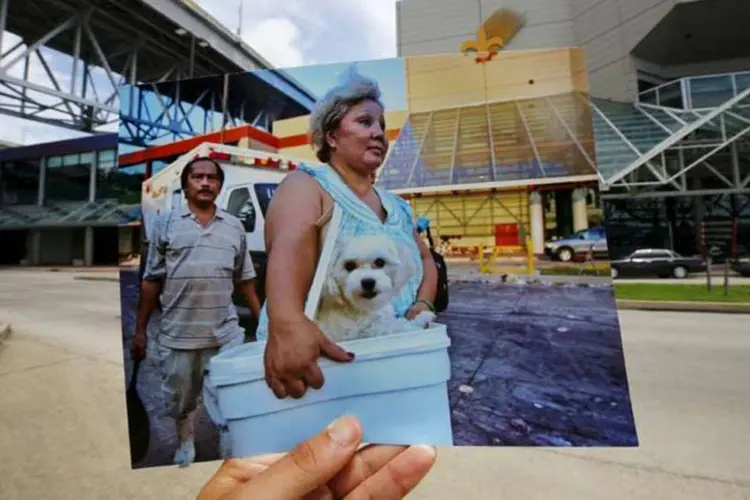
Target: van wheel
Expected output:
[679,272]
[565,254]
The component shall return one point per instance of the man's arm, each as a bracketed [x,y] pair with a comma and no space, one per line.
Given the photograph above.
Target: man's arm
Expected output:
[245,277]
[153,277]
[247,289]
[149,296]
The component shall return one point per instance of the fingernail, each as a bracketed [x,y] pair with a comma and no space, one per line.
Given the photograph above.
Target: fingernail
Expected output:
[351,356]
[427,451]
[343,431]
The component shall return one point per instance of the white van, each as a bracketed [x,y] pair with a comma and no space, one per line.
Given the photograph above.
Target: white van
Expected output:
[250,179]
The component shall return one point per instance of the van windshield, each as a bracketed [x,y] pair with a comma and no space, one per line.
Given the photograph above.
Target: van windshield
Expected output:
[264,192]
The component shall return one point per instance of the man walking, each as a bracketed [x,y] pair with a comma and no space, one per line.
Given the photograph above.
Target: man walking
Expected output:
[197,258]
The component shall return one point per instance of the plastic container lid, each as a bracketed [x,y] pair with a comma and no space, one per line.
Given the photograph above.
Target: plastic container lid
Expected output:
[244,363]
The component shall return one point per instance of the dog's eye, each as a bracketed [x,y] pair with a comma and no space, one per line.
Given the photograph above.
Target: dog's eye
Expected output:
[378,263]
[350,266]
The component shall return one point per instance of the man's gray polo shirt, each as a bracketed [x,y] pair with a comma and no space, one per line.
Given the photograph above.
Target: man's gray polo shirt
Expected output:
[199,267]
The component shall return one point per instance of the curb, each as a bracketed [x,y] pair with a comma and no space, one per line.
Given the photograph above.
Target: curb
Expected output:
[5,331]
[700,307]
[96,278]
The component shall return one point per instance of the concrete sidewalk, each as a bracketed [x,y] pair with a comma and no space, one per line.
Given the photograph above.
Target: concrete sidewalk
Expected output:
[5,331]
[703,307]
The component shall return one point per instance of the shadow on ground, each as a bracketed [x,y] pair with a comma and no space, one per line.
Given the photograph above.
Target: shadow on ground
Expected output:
[532,365]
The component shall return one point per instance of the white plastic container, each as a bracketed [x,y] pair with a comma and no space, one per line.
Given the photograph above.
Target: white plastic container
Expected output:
[396,387]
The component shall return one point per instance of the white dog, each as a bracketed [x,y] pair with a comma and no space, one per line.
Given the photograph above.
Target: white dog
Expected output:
[366,273]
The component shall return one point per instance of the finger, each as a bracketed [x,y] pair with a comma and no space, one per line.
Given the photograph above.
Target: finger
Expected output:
[398,477]
[363,465]
[322,493]
[296,388]
[279,390]
[314,377]
[267,460]
[230,474]
[334,352]
[308,466]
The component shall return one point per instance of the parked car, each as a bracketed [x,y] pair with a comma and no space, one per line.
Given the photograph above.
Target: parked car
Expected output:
[577,244]
[656,262]
[741,266]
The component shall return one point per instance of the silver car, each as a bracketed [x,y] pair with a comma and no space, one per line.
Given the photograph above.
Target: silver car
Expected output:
[566,249]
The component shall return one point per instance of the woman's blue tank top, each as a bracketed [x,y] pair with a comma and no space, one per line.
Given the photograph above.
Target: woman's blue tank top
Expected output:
[358,220]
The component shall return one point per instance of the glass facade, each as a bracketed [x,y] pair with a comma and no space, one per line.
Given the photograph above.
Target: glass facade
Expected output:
[128,182]
[68,178]
[674,224]
[19,182]
[67,182]
[106,175]
[494,142]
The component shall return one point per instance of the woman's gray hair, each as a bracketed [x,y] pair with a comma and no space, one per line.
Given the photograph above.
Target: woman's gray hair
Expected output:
[335,104]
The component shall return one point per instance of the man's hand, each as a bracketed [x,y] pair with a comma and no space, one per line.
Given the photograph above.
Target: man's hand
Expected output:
[138,347]
[291,356]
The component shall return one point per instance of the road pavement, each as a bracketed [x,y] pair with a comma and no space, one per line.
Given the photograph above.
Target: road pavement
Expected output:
[63,431]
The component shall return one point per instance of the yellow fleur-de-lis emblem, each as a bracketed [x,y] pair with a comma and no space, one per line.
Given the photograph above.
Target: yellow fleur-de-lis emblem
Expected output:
[494,34]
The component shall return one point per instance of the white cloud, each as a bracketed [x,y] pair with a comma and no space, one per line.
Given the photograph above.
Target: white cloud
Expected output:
[325,31]
[379,20]
[276,39]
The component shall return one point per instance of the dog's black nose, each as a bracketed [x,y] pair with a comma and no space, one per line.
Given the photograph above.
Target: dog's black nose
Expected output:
[368,284]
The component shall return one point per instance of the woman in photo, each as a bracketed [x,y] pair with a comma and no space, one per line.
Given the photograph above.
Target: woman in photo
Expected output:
[347,131]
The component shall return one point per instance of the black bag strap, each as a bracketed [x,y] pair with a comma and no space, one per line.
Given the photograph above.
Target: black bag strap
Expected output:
[134,376]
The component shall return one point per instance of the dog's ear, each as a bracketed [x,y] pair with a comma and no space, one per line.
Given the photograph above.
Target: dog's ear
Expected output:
[393,256]
[331,288]
[406,268]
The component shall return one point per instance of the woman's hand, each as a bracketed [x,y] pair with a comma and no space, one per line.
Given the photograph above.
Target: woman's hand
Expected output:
[327,466]
[416,309]
[291,356]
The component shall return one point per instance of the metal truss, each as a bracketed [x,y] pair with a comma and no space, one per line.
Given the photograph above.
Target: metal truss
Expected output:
[149,117]
[694,140]
[108,45]
[77,106]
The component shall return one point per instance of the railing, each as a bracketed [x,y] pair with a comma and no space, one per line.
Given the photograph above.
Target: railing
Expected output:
[697,92]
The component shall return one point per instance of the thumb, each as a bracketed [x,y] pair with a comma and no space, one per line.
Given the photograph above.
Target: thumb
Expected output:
[333,351]
[308,466]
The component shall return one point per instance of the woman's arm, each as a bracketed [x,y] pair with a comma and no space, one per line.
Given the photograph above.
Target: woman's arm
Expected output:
[291,245]
[428,288]
[294,341]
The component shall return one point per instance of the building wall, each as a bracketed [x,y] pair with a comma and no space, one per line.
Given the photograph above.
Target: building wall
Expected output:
[610,30]
[469,219]
[429,27]
[452,80]
[607,29]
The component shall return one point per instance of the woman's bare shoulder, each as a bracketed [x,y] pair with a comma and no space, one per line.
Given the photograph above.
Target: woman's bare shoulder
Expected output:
[298,193]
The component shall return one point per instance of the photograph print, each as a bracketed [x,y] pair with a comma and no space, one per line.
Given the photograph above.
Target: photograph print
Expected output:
[384,239]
